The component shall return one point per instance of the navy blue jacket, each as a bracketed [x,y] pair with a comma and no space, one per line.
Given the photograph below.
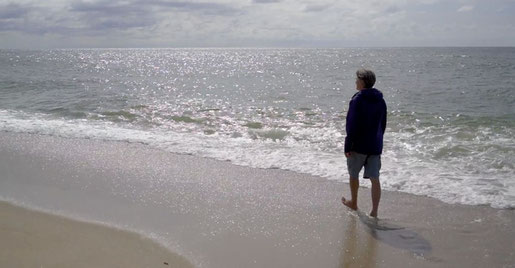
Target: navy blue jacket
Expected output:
[366,122]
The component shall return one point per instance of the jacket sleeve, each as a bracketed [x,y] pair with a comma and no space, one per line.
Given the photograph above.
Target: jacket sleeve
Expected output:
[351,124]
[385,112]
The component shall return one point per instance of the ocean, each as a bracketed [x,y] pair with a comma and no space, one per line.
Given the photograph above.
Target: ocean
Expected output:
[451,111]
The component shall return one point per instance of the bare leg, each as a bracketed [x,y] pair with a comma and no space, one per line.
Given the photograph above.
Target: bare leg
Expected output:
[354,186]
[376,196]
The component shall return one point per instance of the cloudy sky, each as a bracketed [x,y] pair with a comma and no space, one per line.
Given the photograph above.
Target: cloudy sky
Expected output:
[255,23]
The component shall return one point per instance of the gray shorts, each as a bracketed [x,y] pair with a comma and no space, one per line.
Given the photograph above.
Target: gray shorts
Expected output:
[372,164]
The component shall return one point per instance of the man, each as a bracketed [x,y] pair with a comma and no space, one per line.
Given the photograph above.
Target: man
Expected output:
[365,126]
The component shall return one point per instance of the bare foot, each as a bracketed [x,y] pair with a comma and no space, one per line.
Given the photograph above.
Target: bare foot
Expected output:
[373,214]
[349,204]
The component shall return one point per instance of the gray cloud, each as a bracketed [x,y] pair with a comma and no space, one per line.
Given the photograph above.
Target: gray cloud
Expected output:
[392,9]
[121,24]
[150,23]
[265,1]
[316,8]
[112,15]
[141,6]
[12,11]
[105,7]
[99,17]
[123,15]
[21,18]
[466,8]
[204,7]
[32,28]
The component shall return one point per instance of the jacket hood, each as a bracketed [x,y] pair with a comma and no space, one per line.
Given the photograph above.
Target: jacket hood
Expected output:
[371,93]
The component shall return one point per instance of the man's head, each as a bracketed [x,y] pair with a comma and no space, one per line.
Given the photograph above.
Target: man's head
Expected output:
[365,79]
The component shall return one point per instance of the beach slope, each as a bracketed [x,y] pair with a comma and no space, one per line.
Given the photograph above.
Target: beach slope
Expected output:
[33,239]
[216,214]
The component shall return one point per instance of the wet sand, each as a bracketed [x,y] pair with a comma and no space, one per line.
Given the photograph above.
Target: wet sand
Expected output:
[216,214]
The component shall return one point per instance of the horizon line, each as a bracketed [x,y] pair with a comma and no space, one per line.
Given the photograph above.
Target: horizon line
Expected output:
[259,47]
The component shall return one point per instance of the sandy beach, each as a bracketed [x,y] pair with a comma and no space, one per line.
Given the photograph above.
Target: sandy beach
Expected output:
[216,214]
[34,239]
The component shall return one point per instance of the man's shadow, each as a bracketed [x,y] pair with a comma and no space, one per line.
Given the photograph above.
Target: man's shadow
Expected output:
[361,252]
[395,235]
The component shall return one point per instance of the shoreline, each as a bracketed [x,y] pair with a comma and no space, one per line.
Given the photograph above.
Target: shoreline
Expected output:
[216,214]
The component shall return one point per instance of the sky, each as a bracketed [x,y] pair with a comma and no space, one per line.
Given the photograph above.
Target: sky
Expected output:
[30,24]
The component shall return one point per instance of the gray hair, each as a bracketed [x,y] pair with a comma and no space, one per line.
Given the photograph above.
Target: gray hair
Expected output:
[367,76]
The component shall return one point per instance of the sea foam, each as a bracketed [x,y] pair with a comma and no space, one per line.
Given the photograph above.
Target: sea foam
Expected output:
[452,180]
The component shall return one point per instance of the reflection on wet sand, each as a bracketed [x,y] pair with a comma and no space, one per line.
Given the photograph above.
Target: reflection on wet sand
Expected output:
[360,247]
[355,252]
